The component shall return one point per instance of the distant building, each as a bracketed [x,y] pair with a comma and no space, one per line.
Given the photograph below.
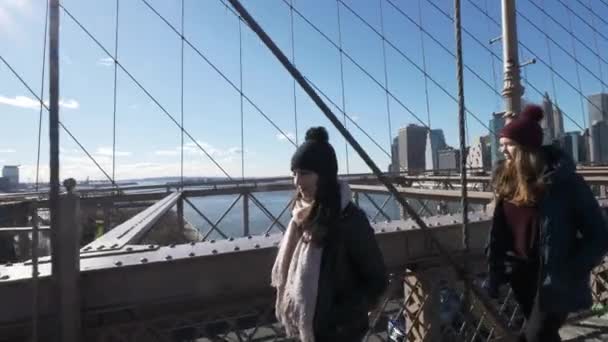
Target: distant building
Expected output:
[394,166]
[412,146]
[4,184]
[598,107]
[11,172]
[548,123]
[479,154]
[573,143]
[434,142]
[449,159]
[599,142]
[558,122]
[496,124]
[598,111]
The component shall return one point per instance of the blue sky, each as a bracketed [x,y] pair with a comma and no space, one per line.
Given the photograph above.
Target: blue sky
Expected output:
[148,143]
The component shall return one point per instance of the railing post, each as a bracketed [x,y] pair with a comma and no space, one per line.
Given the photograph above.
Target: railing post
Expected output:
[246,231]
[66,268]
[35,296]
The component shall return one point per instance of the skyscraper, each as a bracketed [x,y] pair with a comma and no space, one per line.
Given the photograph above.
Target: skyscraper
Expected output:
[496,124]
[599,142]
[449,159]
[434,142]
[548,123]
[478,156]
[598,112]
[412,145]
[573,143]
[395,167]
[558,122]
[598,107]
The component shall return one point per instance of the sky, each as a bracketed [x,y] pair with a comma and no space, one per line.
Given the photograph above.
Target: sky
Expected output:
[148,140]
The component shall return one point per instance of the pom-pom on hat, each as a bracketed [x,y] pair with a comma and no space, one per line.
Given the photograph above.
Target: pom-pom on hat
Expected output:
[525,128]
[316,154]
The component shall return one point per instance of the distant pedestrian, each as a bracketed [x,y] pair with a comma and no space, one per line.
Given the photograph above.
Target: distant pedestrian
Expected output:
[548,231]
[329,272]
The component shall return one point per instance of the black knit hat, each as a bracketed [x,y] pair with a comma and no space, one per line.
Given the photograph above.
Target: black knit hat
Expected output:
[316,154]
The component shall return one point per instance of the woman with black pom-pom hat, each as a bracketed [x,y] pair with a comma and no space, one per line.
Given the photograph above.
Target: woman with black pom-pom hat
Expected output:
[548,231]
[329,272]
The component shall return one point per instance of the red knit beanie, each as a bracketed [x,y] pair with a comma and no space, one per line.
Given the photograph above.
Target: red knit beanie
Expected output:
[525,128]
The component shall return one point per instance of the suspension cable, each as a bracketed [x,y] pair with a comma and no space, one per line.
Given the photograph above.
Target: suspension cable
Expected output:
[115,93]
[60,123]
[327,98]
[388,103]
[293,60]
[599,60]
[241,99]
[549,38]
[578,73]
[219,72]
[146,92]
[336,122]
[46,24]
[493,61]
[342,88]
[426,78]
[373,78]
[461,130]
[550,56]
[183,32]
[593,14]
[581,19]
[532,52]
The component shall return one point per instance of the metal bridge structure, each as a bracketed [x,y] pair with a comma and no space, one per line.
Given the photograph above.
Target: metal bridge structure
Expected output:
[125,284]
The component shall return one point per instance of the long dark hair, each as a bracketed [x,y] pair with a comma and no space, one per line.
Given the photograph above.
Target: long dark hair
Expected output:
[521,181]
[325,211]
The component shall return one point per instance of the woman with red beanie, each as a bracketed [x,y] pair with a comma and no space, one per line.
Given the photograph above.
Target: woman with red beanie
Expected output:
[548,231]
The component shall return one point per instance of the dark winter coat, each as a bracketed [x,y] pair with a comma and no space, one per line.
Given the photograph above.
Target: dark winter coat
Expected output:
[573,238]
[352,278]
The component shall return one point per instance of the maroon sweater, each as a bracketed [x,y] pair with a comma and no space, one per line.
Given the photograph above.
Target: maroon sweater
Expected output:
[523,222]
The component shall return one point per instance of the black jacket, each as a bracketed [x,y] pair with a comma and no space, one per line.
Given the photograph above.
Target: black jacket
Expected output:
[352,278]
[573,238]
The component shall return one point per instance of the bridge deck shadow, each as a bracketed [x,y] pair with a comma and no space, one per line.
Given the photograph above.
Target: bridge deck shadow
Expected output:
[589,330]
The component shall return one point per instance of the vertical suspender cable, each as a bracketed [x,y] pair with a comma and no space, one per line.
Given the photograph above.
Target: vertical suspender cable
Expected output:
[388,103]
[115,93]
[241,99]
[293,60]
[181,169]
[342,81]
[46,23]
[462,136]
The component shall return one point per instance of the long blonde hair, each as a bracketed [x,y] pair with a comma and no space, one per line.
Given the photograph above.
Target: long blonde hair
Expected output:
[520,181]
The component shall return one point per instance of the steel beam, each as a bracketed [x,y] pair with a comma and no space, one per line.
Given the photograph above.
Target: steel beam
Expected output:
[134,228]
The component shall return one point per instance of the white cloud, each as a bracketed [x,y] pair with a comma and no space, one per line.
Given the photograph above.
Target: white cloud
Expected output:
[20,101]
[283,137]
[32,103]
[69,104]
[105,61]
[7,150]
[107,152]
[191,149]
